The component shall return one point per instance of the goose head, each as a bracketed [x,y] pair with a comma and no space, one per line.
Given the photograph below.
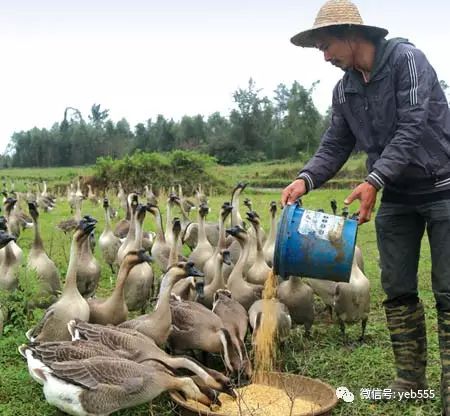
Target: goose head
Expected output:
[273,207]
[225,257]
[221,294]
[225,210]
[253,217]
[176,226]
[153,209]
[248,203]
[135,257]
[203,210]
[84,228]
[105,203]
[237,232]
[33,210]
[345,212]
[5,238]
[140,212]
[9,203]
[239,187]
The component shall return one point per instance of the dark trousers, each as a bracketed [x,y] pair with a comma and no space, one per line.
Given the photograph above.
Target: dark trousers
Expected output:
[400,229]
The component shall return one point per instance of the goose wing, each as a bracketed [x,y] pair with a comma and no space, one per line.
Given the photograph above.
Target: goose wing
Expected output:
[93,372]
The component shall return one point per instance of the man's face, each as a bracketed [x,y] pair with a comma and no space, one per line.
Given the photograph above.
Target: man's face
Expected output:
[337,51]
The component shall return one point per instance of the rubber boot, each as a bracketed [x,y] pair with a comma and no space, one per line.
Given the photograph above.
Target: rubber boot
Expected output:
[444,347]
[406,325]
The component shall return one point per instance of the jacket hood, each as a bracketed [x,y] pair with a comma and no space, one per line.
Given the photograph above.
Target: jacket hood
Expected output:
[384,48]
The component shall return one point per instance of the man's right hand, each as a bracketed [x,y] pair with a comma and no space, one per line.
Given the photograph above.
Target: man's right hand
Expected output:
[292,192]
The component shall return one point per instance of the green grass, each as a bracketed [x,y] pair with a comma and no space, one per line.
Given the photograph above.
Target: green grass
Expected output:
[324,356]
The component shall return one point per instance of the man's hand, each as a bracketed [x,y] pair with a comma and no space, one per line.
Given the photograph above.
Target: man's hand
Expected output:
[367,194]
[292,192]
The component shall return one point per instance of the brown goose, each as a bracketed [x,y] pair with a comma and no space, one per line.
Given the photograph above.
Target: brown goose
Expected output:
[71,305]
[209,266]
[160,248]
[8,267]
[101,385]
[142,348]
[109,244]
[88,269]
[114,310]
[139,284]
[203,250]
[258,270]
[39,262]
[157,324]
[195,327]
[218,281]
[235,320]
[244,292]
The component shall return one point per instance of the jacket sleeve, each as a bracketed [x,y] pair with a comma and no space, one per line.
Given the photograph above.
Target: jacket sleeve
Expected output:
[335,148]
[414,82]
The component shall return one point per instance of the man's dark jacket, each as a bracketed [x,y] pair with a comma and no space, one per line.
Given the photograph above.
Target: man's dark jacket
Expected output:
[400,118]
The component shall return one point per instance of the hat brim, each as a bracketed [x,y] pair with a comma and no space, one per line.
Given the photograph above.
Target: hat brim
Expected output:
[308,38]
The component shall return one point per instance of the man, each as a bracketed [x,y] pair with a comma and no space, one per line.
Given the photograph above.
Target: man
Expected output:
[391,105]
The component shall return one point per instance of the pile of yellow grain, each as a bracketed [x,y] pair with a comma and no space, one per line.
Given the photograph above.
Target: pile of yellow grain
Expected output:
[260,400]
[265,350]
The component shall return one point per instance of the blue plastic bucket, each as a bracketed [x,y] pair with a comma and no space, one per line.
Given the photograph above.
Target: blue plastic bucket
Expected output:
[314,244]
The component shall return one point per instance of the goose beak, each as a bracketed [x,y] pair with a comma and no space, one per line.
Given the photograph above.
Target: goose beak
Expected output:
[199,287]
[192,271]
[226,257]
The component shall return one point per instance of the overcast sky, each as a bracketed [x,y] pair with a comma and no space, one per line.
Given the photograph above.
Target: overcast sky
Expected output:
[140,58]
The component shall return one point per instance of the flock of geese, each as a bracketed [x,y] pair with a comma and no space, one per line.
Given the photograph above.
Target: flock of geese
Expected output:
[92,359]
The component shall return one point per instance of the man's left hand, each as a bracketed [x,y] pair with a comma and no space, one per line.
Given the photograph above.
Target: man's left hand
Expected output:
[367,194]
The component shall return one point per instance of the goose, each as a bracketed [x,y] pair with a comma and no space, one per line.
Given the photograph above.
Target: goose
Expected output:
[71,197]
[195,327]
[209,266]
[244,292]
[149,195]
[235,320]
[108,242]
[351,300]
[157,325]
[325,290]
[138,286]
[24,220]
[88,269]
[170,203]
[185,202]
[283,318]
[174,255]
[99,386]
[11,217]
[269,244]
[40,262]
[92,197]
[160,249]
[123,201]
[203,250]
[236,218]
[8,263]
[70,305]
[258,270]
[44,200]
[16,250]
[140,348]
[218,281]
[299,299]
[71,224]
[128,242]
[114,310]
[123,226]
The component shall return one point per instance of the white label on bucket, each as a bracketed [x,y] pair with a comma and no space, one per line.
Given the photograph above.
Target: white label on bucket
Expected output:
[324,226]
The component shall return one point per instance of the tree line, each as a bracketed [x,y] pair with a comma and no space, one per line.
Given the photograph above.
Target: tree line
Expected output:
[259,128]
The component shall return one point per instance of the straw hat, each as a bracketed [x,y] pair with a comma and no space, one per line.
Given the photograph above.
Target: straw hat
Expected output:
[336,13]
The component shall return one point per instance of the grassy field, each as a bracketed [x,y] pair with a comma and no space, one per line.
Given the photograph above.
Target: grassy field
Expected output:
[324,356]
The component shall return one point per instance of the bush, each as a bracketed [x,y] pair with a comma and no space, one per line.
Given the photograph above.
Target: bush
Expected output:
[159,169]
